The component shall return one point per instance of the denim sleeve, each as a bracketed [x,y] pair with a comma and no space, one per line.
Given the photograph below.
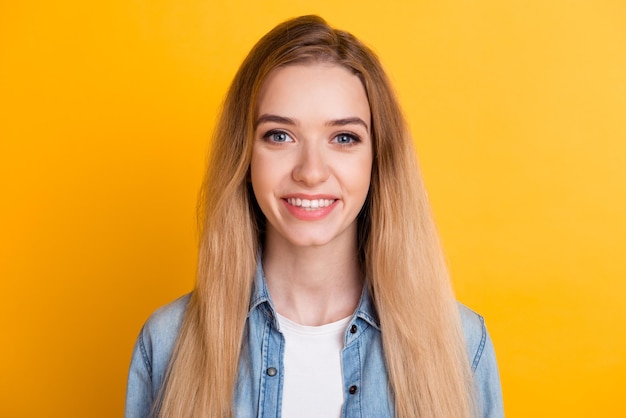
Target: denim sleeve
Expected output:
[151,357]
[487,380]
[483,363]
[139,388]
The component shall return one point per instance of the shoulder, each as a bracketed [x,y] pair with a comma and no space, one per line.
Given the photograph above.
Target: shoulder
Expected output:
[161,329]
[168,317]
[159,334]
[475,334]
[482,359]
[151,356]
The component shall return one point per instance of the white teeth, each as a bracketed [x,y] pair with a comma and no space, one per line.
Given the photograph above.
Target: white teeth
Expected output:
[310,204]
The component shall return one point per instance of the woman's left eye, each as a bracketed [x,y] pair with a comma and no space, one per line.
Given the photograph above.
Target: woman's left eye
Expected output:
[346,139]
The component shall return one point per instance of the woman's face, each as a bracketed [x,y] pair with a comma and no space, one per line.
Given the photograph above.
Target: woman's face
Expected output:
[312,154]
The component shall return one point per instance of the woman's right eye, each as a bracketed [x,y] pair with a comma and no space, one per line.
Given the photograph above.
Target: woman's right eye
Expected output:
[277,136]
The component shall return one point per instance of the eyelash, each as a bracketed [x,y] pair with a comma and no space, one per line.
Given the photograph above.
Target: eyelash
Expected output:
[354,139]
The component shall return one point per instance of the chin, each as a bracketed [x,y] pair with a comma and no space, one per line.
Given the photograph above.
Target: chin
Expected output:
[309,242]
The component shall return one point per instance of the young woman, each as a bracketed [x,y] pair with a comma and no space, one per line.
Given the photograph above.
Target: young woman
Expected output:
[321,290]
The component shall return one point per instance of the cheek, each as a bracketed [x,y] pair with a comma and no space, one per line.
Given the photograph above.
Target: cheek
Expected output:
[257,166]
[257,175]
[360,173]
[263,174]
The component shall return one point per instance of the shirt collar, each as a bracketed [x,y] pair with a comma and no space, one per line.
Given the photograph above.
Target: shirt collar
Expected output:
[260,294]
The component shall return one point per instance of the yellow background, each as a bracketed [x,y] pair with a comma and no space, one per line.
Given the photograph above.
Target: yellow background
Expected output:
[518,109]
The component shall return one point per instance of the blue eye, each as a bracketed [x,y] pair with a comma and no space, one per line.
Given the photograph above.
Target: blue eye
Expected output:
[277,136]
[346,139]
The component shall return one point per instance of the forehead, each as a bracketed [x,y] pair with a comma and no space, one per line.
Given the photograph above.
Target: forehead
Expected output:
[327,90]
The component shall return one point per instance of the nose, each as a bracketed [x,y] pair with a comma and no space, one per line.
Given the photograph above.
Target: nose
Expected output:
[311,167]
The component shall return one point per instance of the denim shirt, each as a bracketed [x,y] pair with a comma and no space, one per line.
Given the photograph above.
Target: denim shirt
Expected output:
[259,387]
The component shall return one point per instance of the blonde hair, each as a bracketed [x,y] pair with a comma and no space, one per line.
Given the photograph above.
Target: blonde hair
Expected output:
[424,348]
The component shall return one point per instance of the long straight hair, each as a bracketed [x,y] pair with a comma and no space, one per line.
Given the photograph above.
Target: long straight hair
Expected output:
[428,369]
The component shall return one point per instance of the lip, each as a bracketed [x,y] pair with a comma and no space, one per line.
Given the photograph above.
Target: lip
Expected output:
[309,215]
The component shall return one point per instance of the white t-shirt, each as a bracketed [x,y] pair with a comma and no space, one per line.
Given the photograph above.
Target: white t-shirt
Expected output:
[313,385]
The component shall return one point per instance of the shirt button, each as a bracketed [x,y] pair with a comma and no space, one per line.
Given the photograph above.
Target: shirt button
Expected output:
[271,371]
[353,329]
[352,389]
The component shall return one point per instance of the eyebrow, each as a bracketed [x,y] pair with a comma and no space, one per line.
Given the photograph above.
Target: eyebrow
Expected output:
[288,121]
[274,118]
[348,121]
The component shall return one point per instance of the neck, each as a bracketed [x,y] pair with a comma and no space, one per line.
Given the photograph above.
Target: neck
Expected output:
[313,285]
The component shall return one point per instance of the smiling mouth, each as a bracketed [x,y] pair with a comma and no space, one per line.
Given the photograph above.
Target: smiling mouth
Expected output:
[312,204]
